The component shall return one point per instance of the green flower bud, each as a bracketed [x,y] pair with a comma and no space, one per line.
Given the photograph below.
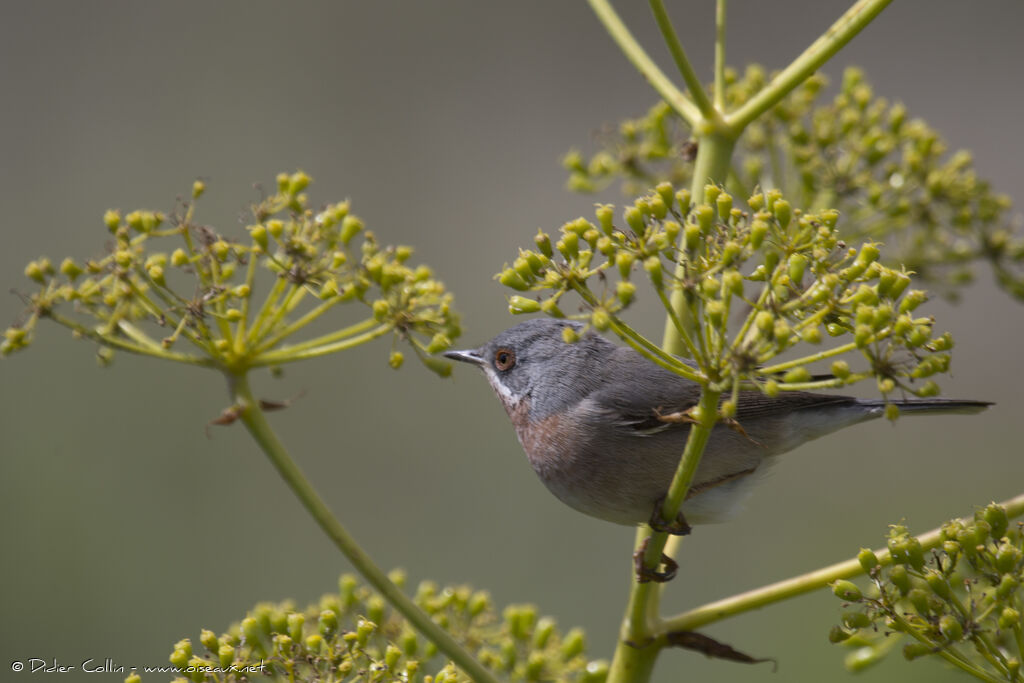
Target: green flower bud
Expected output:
[900,578]
[514,280]
[797,265]
[625,291]
[711,193]
[624,260]
[179,258]
[730,252]
[1009,618]
[705,217]
[868,254]
[653,267]
[782,332]
[573,644]
[715,311]
[634,218]
[914,650]
[764,322]
[891,283]
[209,640]
[314,642]
[862,335]
[569,335]
[928,389]
[797,375]
[771,388]
[298,182]
[838,634]
[605,217]
[684,199]
[350,227]
[758,231]
[692,236]
[951,627]
[912,300]
[892,412]
[520,304]
[995,515]
[937,583]
[1008,558]
[295,622]
[600,320]
[811,335]
[179,658]
[543,243]
[112,219]
[783,212]
[724,205]
[568,246]
[886,385]
[439,342]
[862,658]
[846,590]
[1007,586]
[855,620]
[732,283]
[867,558]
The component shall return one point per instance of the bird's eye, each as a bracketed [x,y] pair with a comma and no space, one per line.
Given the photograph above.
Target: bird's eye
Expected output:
[504,359]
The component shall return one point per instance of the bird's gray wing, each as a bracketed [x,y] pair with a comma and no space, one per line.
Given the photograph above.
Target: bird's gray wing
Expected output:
[636,394]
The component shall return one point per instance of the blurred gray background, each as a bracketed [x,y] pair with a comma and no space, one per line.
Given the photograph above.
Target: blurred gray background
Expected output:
[124,528]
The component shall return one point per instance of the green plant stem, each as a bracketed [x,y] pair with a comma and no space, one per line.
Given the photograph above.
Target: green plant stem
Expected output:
[798,585]
[637,649]
[256,422]
[714,155]
[288,354]
[719,94]
[851,23]
[645,65]
[131,347]
[693,84]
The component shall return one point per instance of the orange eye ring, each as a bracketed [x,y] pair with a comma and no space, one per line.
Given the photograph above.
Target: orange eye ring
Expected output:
[504,359]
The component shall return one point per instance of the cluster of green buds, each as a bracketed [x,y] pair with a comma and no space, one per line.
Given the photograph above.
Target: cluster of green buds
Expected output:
[740,288]
[172,288]
[354,635]
[890,175]
[961,601]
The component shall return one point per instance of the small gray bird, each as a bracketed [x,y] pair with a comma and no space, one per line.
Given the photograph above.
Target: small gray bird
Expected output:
[587,415]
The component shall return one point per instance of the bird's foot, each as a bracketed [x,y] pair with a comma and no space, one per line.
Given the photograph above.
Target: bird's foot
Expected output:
[645,574]
[677,527]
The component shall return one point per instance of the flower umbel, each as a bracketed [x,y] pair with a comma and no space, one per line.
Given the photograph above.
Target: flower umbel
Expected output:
[173,288]
[960,602]
[752,284]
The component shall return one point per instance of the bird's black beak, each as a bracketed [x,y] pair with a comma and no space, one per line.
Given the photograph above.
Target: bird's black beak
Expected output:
[468,356]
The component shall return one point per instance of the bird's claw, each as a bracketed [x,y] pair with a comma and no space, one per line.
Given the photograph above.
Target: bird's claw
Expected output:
[677,527]
[645,574]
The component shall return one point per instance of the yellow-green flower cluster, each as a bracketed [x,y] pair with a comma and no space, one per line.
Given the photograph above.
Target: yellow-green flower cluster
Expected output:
[741,287]
[961,602]
[890,175]
[174,288]
[354,636]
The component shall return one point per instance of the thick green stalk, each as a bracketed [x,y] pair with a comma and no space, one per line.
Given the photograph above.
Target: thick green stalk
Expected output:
[255,421]
[637,649]
[714,154]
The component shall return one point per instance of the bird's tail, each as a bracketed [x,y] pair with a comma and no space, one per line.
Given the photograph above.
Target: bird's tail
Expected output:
[925,406]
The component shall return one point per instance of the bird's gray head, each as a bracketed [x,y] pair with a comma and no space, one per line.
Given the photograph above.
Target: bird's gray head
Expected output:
[531,362]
